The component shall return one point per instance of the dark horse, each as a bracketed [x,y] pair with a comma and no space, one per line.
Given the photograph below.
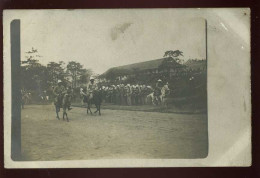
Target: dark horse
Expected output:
[96,99]
[63,102]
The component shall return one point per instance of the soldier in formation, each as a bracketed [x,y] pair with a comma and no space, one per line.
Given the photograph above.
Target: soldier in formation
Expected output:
[129,94]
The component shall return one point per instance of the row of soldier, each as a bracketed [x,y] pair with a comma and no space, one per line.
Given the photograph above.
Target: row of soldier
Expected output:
[122,94]
[127,94]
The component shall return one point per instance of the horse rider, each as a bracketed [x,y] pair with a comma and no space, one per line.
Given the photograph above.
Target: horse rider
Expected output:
[165,91]
[59,91]
[157,90]
[92,86]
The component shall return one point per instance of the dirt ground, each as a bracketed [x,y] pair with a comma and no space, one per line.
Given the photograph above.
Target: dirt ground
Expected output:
[115,134]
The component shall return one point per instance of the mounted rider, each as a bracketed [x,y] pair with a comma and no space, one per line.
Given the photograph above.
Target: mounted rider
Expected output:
[157,90]
[158,87]
[92,86]
[59,92]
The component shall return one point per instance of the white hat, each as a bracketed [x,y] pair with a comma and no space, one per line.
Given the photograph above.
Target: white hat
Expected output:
[159,80]
[91,78]
[59,81]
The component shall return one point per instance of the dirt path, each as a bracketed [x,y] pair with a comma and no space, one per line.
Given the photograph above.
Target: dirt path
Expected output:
[115,134]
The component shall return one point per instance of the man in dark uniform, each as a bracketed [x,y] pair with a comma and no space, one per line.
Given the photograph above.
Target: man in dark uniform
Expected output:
[58,92]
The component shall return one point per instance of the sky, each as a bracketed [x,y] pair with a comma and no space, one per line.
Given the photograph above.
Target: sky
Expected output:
[101,39]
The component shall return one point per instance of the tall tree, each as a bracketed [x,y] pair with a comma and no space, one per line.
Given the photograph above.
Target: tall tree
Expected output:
[84,76]
[74,69]
[55,72]
[33,74]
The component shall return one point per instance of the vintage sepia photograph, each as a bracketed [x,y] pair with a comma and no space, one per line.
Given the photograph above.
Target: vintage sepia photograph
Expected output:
[108,84]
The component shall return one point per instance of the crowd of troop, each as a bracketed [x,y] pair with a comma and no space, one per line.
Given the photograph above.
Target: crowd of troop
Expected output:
[121,94]
[126,94]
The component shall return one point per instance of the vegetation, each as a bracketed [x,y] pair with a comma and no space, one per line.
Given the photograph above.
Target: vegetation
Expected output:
[37,78]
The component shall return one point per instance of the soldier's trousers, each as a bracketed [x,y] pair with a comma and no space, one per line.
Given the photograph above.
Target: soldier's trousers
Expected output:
[128,100]
[143,102]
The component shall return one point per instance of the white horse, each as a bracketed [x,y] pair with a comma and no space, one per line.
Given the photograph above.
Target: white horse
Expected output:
[165,91]
[150,98]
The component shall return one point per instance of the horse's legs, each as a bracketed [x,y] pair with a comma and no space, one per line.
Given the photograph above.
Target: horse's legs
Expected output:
[96,108]
[99,110]
[89,104]
[67,116]
[57,112]
[63,115]
[88,108]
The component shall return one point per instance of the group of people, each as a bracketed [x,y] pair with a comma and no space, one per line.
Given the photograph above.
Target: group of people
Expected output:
[121,94]
[126,94]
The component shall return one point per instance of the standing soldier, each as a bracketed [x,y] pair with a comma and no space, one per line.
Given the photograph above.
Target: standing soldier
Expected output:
[110,93]
[133,95]
[143,94]
[114,94]
[91,87]
[117,94]
[136,94]
[128,95]
[122,94]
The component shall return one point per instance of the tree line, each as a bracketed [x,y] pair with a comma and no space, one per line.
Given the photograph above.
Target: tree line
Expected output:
[38,77]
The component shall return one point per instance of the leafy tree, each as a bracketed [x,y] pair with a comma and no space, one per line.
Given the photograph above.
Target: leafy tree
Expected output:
[75,70]
[175,55]
[33,74]
[85,75]
[55,72]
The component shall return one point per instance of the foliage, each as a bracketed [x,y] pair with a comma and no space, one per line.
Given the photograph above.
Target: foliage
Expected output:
[174,55]
[38,78]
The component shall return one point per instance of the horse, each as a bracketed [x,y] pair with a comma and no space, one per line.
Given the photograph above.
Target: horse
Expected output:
[165,92]
[63,102]
[150,98]
[96,99]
